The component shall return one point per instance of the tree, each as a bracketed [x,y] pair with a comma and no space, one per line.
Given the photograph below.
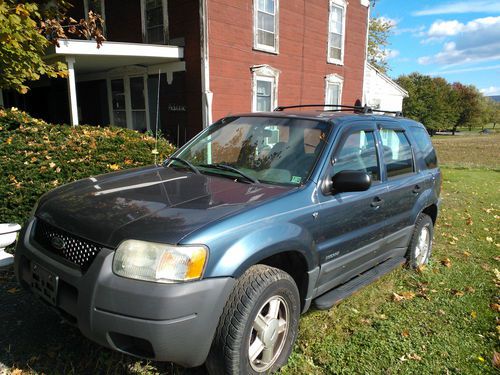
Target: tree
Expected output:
[378,40]
[431,101]
[27,28]
[470,108]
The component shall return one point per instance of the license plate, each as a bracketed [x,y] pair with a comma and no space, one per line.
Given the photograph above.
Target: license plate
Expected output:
[44,283]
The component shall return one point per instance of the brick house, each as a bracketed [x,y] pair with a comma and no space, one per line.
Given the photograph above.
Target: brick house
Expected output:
[198,60]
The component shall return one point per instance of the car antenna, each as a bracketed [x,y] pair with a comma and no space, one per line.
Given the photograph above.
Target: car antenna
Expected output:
[155,151]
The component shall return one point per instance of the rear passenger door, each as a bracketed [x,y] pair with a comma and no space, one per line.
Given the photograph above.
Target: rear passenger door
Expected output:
[404,184]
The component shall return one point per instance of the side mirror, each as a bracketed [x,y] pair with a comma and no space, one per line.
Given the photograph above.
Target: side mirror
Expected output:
[345,181]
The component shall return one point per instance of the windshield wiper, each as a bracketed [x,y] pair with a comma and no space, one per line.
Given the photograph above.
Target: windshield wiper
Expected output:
[226,167]
[185,162]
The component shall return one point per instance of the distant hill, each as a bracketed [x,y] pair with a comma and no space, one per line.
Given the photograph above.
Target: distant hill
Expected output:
[496,98]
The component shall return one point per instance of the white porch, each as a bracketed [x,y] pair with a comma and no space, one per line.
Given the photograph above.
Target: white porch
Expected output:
[125,67]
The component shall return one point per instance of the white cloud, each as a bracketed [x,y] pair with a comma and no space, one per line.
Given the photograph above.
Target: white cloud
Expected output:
[465,70]
[445,28]
[460,7]
[474,41]
[415,31]
[391,21]
[492,90]
[391,53]
[450,28]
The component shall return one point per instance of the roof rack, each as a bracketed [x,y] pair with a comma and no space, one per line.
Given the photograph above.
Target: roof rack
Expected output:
[337,107]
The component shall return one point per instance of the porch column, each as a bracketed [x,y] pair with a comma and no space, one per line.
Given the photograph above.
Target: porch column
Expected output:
[73,105]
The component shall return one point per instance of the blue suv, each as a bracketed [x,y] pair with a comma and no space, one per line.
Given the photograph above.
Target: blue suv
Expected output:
[212,256]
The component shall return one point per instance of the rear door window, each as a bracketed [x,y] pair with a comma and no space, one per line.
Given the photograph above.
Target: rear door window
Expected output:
[398,157]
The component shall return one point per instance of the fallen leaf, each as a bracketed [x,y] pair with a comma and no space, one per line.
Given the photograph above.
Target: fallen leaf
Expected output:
[421,268]
[415,357]
[473,314]
[446,262]
[405,333]
[13,290]
[489,239]
[408,295]
[114,167]
[481,359]
[469,289]
[397,298]
[441,312]
[457,293]
[495,307]
[467,254]
[469,221]
[496,360]
[52,164]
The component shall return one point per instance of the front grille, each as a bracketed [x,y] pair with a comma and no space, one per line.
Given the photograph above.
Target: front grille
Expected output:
[72,248]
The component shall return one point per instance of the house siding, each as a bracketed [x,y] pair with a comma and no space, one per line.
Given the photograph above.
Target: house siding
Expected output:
[302,58]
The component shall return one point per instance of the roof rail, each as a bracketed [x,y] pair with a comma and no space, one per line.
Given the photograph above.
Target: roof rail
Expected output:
[338,107]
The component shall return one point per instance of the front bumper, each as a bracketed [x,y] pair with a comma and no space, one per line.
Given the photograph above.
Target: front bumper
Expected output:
[164,322]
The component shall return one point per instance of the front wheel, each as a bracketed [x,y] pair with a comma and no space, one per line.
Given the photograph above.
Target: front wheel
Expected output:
[259,324]
[420,247]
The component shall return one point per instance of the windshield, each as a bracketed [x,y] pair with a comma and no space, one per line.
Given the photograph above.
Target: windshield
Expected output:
[258,149]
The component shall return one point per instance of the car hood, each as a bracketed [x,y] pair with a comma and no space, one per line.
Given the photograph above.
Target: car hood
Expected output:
[153,203]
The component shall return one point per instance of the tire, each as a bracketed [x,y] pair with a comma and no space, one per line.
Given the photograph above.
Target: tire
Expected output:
[273,295]
[420,248]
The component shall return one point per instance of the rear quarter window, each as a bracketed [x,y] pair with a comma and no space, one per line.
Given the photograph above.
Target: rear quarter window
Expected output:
[425,150]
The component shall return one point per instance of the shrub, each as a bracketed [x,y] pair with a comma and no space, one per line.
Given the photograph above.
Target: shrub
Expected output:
[35,157]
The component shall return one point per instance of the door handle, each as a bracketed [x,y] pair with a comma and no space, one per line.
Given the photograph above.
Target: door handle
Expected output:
[417,189]
[377,202]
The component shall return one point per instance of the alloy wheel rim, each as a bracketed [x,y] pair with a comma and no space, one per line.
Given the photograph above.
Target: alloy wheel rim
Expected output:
[268,334]
[423,246]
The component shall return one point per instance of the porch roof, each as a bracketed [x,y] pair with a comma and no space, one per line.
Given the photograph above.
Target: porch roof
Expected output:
[89,59]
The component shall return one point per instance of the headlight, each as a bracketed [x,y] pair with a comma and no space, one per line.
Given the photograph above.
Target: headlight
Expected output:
[159,262]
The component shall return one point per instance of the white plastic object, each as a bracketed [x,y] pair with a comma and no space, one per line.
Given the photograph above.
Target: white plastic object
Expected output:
[8,235]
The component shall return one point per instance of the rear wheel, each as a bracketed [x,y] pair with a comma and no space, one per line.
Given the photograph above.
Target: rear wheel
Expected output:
[259,324]
[420,247]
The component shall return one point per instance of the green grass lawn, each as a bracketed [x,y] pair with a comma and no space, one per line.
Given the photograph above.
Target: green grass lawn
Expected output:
[441,320]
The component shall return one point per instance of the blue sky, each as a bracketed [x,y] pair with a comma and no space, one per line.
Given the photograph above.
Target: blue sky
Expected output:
[457,40]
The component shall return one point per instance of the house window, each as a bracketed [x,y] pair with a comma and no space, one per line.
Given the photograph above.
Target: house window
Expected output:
[97,7]
[128,99]
[333,90]
[336,31]
[266,25]
[264,95]
[265,88]
[154,25]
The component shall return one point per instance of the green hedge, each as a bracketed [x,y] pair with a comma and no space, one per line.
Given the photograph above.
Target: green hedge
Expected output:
[35,157]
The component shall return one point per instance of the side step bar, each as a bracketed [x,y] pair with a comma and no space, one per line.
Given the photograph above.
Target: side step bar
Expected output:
[337,294]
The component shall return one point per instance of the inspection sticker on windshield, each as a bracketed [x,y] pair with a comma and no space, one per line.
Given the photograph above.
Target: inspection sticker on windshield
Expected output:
[296,179]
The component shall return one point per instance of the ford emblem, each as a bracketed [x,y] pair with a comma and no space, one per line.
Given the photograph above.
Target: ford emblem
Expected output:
[58,243]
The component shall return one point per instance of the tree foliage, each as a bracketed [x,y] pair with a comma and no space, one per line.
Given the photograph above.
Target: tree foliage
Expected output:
[27,29]
[440,105]
[378,40]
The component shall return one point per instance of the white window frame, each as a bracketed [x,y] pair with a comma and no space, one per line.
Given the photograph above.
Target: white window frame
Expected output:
[125,75]
[256,44]
[268,74]
[342,4]
[333,80]
[165,21]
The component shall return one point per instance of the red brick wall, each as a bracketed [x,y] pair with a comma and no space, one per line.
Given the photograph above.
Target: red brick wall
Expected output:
[303,38]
